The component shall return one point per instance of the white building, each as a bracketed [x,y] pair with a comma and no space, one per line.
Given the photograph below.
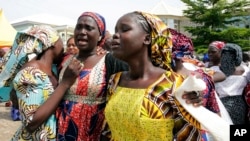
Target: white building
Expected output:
[172,16]
[63,25]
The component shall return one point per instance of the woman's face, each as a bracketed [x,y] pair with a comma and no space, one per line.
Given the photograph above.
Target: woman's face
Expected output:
[214,54]
[129,37]
[71,47]
[86,34]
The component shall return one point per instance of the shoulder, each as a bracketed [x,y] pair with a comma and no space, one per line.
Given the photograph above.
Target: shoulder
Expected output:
[32,64]
[31,70]
[239,70]
[173,77]
[110,57]
[30,75]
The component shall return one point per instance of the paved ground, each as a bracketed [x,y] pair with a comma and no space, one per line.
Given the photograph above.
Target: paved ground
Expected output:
[7,126]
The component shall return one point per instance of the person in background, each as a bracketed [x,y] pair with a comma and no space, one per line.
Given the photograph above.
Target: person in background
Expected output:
[205,58]
[246,91]
[246,58]
[231,89]
[141,105]
[184,64]
[36,86]
[214,53]
[2,53]
[108,40]
[71,47]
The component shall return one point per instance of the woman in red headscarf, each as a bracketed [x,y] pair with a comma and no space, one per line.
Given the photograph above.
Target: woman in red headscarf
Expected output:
[214,53]
[184,63]
[80,114]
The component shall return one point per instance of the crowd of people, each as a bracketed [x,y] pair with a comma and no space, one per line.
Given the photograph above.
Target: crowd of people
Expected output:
[120,86]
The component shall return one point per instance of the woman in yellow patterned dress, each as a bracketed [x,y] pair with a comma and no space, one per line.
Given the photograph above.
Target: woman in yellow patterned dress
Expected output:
[141,105]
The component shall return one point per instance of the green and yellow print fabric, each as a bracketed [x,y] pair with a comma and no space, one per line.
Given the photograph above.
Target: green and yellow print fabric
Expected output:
[161,46]
[157,104]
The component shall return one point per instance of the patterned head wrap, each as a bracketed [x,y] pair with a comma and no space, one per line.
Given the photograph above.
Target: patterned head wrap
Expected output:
[100,21]
[161,45]
[183,49]
[182,45]
[217,44]
[36,40]
[231,56]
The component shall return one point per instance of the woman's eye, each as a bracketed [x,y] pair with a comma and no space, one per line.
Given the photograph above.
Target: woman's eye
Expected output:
[124,29]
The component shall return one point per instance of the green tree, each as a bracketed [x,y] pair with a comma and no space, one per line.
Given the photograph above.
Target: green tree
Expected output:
[216,20]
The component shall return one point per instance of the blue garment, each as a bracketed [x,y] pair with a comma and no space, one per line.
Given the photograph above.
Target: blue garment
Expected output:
[33,87]
[5,94]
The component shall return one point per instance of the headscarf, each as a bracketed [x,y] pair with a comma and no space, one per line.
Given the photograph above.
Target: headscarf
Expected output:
[205,57]
[231,57]
[182,45]
[183,49]
[100,21]
[217,44]
[35,40]
[161,45]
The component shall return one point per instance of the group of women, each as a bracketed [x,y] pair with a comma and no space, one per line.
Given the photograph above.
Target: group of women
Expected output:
[228,59]
[124,94]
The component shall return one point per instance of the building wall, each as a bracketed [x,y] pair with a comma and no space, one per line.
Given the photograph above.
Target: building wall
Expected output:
[177,22]
[65,32]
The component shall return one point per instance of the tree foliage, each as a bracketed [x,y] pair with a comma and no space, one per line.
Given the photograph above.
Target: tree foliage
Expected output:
[215,20]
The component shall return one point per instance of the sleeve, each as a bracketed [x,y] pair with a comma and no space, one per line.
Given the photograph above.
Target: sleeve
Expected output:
[209,99]
[32,88]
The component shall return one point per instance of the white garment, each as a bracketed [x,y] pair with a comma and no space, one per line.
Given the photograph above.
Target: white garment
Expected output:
[190,66]
[210,121]
[233,85]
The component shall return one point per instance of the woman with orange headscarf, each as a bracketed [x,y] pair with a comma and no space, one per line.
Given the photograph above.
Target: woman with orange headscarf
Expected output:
[141,104]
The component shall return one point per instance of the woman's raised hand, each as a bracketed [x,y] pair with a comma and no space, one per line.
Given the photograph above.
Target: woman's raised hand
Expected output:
[72,71]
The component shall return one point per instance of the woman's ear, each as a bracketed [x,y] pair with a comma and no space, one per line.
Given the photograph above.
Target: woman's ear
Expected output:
[147,39]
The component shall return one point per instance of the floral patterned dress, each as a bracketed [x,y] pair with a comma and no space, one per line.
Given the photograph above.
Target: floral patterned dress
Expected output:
[33,87]
[80,115]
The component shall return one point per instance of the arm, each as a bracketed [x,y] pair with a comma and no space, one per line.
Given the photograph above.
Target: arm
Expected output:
[46,109]
[218,76]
